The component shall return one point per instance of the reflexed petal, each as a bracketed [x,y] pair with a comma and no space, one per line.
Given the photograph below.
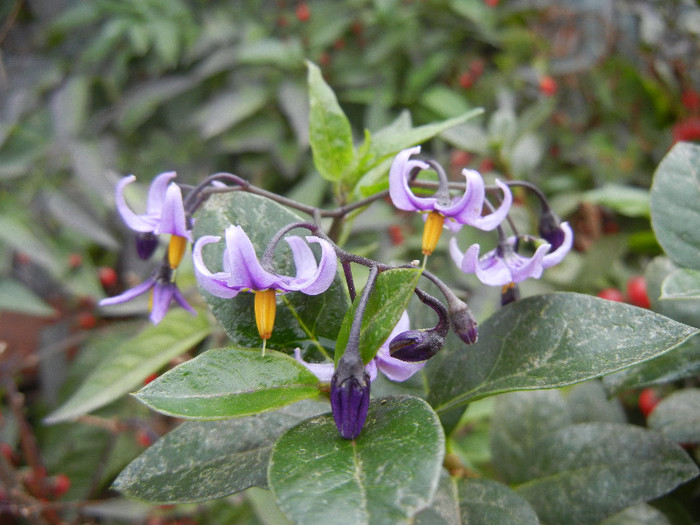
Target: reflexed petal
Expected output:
[172,219]
[492,270]
[304,259]
[180,299]
[162,295]
[492,220]
[557,255]
[320,280]
[215,284]
[156,192]
[245,270]
[522,267]
[323,371]
[140,223]
[129,294]
[471,204]
[399,190]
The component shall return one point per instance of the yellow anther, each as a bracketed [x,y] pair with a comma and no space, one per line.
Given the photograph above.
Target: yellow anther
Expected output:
[265,308]
[432,231]
[176,249]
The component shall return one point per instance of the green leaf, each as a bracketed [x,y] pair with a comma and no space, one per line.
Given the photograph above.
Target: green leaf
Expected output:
[16,297]
[485,502]
[202,460]
[329,129]
[682,284]
[229,382]
[444,509]
[641,514]
[133,361]
[586,472]
[681,363]
[677,416]
[392,292]
[384,476]
[303,317]
[675,204]
[550,341]
[628,201]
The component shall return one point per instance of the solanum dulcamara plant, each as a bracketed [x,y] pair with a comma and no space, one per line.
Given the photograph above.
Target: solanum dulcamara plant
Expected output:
[345,375]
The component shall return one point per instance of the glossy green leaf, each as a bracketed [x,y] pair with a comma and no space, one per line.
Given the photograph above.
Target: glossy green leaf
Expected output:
[329,129]
[632,202]
[201,460]
[682,284]
[134,360]
[550,341]
[444,509]
[680,363]
[300,318]
[229,382]
[675,204]
[384,476]
[485,502]
[392,292]
[678,416]
[585,472]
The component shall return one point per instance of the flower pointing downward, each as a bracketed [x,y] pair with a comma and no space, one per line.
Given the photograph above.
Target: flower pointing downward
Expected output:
[243,272]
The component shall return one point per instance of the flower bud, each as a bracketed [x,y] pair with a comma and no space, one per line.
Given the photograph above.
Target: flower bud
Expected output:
[463,322]
[350,398]
[416,345]
[509,293]
[550,230]
[146,244]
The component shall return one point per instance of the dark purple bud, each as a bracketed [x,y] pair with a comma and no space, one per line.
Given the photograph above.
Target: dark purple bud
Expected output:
[550,230]
[416,345]
[463,322]
[146,244]
[350,398]
[509,294]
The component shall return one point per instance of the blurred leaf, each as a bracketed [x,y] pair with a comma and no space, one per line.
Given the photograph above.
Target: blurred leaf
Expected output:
[139,104]
[625,200]
[68,213]
[15,297]
[228,109]
[444,509]
[392,292]
[202,460]
[229,382]
[294,103]
[641,514]
[384,476]
[675,204]
[485,502]
[587,403]
[303,318]
[283,54]
[585,472]
[550,341]
[682,284]
[132,361]
[677,416]
[329,129]
[656,272]
[69,106]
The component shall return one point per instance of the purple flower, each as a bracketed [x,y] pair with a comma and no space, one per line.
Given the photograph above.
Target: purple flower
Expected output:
[165,211]
[392,368]
[350,387]
[164,291]
[504,265]
[463,210]
[242,270]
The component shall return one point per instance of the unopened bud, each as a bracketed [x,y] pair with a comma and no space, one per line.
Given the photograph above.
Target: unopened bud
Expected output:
[350,398]
[463,322]
[550,230]
[146,244]
[416,345]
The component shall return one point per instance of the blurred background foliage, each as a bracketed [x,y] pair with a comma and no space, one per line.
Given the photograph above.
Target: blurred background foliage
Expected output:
[581,97]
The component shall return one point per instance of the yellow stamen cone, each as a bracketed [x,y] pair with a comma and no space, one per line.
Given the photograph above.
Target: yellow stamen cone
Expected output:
[265,308]
[432,231]
[176,249]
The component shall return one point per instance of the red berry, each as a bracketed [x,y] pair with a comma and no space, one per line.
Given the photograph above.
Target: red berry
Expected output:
[486,165]
[86,321]
[648,399]
[149,378]
[548,86]
[686,130]
[339,44]
[303,12]
[466,80]
[61,484]
[612,294]
[476,66]
[7,451]
[691,100]
[491,3]
[325,59]
[143,438]
[357,27]
[22,258]
[108,277]
[75,260]
[396,235]
[637,292]
[459,158]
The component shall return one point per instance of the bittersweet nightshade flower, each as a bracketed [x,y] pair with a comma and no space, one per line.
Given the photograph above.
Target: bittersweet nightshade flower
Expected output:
[393,368]
[505,265]
[243,272]
[163,292]
[465,210]
[165,213]
[350,387]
